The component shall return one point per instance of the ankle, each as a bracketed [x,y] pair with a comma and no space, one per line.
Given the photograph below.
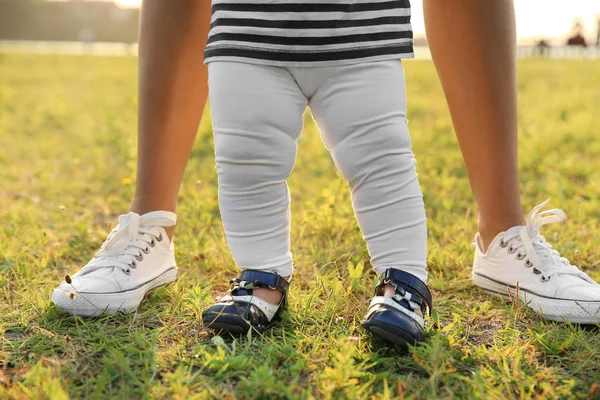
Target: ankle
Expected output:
[389,290]
[142,205]
[489,230]
[146,204]
[272,296]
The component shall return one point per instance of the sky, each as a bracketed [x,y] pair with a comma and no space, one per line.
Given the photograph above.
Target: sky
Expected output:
[535,18]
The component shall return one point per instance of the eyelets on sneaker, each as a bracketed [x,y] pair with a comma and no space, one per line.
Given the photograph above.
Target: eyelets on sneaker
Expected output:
[133,265]
[537,271]
[127,272]
[160,237]
[146,250]
[512,250]
[139,257]
[152,242]
[544,279]
[503,244]
[528,263]
[520,256]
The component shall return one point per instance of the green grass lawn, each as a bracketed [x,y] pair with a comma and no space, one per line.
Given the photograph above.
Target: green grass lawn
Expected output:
[67,161]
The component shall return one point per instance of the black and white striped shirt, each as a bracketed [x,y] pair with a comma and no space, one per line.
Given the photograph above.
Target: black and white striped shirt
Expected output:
[309,32]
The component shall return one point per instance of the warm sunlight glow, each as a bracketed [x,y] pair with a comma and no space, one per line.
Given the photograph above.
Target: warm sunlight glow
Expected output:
[539,18]
[128,3]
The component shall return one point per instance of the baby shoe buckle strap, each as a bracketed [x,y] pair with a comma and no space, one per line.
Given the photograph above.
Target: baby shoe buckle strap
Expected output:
[408,288]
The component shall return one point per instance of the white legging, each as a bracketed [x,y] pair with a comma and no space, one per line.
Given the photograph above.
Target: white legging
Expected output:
[361,111]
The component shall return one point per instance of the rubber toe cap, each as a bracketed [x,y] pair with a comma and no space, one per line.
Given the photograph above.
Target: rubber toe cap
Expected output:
[393,325]
[235,317]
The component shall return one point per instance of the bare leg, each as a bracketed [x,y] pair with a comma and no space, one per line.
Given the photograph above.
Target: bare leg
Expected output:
[172,94]
[473,44]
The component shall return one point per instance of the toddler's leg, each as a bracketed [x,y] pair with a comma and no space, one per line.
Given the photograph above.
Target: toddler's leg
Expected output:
[257,118]
[361,110]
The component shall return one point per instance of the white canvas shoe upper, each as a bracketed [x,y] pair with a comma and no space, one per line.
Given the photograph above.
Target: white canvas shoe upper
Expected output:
[136,256]
[522,257]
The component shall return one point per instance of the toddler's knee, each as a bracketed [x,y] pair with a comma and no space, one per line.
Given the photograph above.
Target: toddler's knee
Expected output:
[380,154]
[247,162]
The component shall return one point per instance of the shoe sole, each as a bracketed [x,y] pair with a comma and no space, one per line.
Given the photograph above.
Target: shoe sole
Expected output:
[96,304]
[386,335]
[224,327]
[231,324]
[572,311]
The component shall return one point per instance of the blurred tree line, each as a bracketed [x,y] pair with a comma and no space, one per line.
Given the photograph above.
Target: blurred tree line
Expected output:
[88,21]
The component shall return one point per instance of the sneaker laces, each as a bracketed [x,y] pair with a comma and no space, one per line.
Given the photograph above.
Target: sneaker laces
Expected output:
[132,238]
[540,253]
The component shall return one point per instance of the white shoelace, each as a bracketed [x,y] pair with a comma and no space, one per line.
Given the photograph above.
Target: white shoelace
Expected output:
[130,241]
[529,243]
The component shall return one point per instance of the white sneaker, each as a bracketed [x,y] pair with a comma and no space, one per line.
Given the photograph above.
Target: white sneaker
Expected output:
[547,282]
[136,257]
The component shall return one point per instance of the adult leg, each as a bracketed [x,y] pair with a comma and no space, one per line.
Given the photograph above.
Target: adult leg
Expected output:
[473,46]
[172,92]
[172,95]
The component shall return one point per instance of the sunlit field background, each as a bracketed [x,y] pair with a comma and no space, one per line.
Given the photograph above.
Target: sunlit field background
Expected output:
[67,169]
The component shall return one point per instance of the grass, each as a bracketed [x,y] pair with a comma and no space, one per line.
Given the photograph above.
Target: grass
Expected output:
[67,161]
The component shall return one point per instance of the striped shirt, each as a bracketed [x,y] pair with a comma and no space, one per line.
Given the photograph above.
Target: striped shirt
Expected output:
[309,32]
